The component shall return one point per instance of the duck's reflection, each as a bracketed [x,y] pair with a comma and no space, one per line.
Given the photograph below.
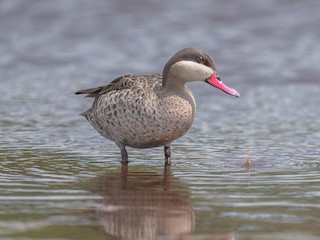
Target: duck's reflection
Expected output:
[144,205]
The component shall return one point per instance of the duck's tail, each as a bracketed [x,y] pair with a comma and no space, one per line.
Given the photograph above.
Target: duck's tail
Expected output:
[91,92]
[86,113]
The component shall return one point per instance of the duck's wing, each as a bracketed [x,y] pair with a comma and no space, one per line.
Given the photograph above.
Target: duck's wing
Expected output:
[123,82]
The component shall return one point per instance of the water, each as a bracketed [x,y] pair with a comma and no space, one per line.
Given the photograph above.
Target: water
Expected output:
[61,180]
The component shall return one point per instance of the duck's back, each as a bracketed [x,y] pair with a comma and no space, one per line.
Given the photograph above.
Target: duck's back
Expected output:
[124,82]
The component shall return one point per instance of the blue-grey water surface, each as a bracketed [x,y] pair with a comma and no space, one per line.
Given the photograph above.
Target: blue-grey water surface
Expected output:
[61,180]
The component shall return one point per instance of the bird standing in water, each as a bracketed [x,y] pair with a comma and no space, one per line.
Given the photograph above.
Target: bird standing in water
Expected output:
[145,111]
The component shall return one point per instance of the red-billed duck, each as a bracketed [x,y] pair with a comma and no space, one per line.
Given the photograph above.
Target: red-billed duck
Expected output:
[145,111]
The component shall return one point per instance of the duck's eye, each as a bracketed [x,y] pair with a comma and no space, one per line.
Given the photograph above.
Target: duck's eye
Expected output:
[200,60]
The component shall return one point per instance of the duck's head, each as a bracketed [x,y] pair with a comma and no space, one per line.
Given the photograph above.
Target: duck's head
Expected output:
[190,64]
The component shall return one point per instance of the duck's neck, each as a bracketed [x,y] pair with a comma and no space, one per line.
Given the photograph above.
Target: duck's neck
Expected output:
[173,85]
[176,88]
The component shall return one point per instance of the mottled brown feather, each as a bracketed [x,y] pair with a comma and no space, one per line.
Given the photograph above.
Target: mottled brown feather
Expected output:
[120,83]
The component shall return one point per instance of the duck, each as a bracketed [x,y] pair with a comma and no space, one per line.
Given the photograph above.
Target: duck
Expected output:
[152,110]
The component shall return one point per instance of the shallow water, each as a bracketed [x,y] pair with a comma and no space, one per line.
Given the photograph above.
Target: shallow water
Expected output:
[61,180]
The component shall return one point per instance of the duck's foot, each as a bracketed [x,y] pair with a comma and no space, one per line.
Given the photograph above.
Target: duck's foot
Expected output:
[167,154]
[124,155]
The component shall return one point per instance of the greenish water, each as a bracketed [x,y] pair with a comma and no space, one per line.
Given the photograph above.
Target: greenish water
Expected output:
[57,195]
[59,179]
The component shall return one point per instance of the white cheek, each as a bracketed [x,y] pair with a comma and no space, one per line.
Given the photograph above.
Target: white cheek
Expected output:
[190,71]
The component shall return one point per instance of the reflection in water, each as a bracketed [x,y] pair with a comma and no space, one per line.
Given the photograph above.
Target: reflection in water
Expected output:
[143,205]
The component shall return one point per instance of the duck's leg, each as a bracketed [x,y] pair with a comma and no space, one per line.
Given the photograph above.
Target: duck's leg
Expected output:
[124,154]
[167,154]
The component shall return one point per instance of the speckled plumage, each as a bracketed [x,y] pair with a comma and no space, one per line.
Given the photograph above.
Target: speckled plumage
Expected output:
[133,111]
[149,110]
